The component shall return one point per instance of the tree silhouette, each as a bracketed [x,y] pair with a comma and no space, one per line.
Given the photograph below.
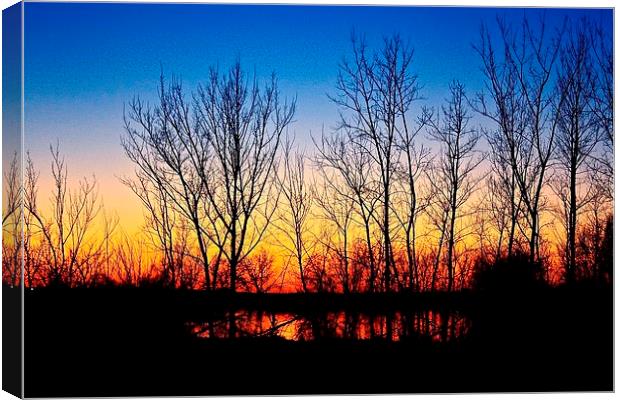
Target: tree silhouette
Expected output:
[577,137]
[244,127]
[297,201]
[338,153]
[451,177]
[375,92]
[530,56]
[70,255]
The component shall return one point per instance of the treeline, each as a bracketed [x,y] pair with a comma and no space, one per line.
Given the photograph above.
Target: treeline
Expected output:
[398,196]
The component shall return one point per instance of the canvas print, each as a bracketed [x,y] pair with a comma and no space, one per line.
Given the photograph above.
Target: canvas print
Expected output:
[219,199]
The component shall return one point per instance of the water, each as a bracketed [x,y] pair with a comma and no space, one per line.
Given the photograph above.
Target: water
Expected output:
[423,325]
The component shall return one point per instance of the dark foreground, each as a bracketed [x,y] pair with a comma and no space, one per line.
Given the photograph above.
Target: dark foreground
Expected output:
[126,342]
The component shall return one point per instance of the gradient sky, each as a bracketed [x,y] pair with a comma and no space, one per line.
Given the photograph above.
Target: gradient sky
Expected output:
[83,61]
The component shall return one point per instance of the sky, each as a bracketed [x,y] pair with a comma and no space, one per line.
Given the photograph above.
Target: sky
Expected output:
[83,62]
[11,84]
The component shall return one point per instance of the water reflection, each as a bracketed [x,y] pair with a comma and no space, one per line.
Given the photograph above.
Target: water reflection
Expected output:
[398,326]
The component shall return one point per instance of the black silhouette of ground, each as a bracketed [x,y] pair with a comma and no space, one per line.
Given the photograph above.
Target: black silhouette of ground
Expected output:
[126,342]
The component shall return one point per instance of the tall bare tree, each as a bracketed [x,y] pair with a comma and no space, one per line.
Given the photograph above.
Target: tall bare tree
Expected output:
[502,102]
[603,110]
[578,134]
[374,92]
[453,181]
[297,201]
[338,152]
[411,204]
[244,125]
[530,55]
[170,154]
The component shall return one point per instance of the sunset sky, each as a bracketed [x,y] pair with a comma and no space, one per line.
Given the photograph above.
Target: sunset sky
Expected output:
[84,61]
[250,199]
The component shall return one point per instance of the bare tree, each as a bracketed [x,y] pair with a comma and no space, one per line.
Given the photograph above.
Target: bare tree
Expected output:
[504,104]
[438,213]
[12,195]
[110,226]
[12,223]
[130,263]
[161,221]
[337,207]
[65,232]
[319,274]
[496,211]
[453,182]
[577,135]
[170,153]
[295,208]
[525,99]
[507,110]
[411,205]
[603,74]
[338,152]
[244,125]
[257,273]
[375,93]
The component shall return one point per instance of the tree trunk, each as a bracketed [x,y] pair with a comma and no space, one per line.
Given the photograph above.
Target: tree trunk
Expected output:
[572,223]
[451,250]
[386,238]
[371,257]
[533,237]
[513,216]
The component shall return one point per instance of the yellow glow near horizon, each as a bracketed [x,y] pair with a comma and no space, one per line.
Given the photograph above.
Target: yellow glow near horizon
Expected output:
[119,202]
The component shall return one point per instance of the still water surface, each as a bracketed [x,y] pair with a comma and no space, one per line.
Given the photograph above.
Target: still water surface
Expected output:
[425,325]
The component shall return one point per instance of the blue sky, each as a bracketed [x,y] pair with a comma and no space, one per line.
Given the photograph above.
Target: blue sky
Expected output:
[83,61]
[11,83]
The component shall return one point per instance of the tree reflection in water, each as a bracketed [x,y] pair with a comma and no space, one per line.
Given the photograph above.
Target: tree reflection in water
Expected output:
[436,326]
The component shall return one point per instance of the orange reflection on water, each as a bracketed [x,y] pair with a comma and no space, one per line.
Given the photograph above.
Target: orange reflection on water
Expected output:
[420,325]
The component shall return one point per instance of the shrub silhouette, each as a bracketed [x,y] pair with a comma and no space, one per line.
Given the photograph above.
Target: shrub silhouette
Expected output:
[508,274]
